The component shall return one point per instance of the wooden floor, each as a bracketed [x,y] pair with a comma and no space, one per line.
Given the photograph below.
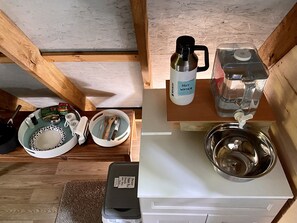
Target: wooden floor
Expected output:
[30,192]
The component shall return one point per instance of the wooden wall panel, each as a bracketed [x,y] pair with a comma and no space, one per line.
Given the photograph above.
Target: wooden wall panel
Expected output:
[10,102]
[285,34]
[281,93]
[290,216]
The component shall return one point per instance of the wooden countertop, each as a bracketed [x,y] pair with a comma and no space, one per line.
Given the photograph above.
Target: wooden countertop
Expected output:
[88,151]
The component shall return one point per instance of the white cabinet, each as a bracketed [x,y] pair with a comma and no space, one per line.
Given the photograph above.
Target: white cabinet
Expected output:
[203,218]
[177,183]
[213,210]
[238,219]
[174,218]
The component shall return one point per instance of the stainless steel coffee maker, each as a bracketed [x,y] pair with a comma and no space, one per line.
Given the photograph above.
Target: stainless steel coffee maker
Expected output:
[238,79]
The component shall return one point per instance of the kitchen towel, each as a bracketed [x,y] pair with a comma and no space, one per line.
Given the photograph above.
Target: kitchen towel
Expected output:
[81,202]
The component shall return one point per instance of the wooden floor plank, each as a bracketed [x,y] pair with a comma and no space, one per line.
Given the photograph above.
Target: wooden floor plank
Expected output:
[83,168]
[46,196]
[28,212]
[44,221]
[12,221]
[41,181]
[15,196]
[28,168]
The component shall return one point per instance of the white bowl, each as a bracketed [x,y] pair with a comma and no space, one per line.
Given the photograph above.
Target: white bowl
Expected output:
[25,133]
[95,128]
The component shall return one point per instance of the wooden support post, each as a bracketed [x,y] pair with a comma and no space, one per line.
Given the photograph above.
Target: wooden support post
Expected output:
[139,13]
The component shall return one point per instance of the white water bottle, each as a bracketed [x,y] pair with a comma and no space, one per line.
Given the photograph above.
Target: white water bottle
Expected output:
[183,70]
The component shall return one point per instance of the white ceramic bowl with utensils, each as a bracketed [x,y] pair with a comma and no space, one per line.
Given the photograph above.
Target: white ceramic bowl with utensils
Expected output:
[45,139]
[110,127]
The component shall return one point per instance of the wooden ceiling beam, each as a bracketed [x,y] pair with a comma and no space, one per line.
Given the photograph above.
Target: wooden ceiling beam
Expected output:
[131,56]
[94,56]
[10,102]
[281,40]
[139,13]
[19,48]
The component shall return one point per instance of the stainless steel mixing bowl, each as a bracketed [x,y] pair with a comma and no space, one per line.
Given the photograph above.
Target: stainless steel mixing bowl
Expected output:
[239,154]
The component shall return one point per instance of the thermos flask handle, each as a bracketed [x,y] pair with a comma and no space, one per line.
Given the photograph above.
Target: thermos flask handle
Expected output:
[206,57]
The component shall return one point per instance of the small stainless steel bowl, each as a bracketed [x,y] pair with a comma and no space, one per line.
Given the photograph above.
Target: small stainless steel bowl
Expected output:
[239,154]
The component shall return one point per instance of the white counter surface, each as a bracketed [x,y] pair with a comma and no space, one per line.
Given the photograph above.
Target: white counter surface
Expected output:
[153,109]
[175,166]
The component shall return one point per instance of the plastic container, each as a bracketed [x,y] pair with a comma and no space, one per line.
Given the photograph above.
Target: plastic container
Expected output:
[238,79]
[121,204]
[96,128]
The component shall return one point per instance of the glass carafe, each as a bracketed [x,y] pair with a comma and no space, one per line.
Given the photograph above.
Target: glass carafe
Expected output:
[238,79]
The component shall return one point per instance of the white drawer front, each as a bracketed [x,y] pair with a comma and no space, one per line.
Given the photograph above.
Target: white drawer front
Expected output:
[262,207]
[173,218]
[238,219]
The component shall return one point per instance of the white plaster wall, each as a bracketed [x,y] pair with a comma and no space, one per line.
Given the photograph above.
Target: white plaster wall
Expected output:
[16,81]
[210,22]
[107,84]
[74,24]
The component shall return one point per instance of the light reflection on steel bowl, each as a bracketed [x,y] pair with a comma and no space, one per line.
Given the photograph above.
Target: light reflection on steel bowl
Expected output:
[239,154]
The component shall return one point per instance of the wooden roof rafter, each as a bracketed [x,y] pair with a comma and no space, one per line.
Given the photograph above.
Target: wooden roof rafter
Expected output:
[18,47]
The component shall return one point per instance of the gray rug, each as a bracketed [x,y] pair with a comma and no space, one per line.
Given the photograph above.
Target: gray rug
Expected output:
[81,202]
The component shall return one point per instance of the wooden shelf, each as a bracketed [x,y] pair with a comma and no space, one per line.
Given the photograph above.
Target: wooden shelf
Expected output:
[201,113]
[87,152]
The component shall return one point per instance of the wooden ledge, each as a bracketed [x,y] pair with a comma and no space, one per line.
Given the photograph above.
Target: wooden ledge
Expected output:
[201,114]
[87,152]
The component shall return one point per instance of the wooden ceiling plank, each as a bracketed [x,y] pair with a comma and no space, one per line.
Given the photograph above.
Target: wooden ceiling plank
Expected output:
[10,102]
[139,13]
[281,40]
[131,56]
[19,48]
